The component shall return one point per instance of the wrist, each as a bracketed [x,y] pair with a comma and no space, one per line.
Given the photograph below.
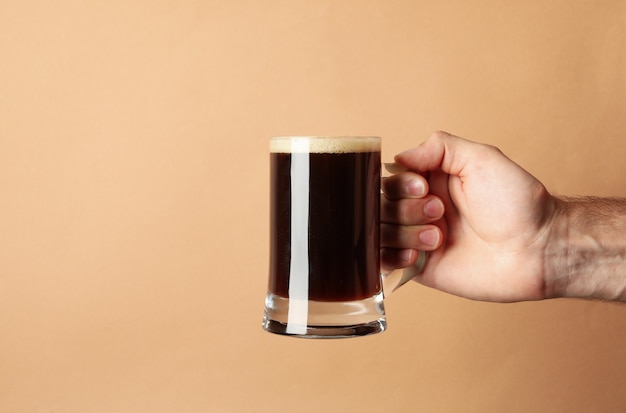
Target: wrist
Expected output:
[586,253]
[556,254]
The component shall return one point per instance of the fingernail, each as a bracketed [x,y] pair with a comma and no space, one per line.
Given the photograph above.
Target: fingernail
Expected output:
[433,208]
[394,168]
[429,237]
[415,187]
[406,256]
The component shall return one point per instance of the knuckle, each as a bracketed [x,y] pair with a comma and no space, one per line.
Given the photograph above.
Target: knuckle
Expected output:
[439,134]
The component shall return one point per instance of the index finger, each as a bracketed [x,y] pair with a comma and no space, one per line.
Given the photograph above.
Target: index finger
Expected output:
[441,151]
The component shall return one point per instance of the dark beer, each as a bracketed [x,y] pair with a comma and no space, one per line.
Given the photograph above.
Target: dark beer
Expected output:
[331,250]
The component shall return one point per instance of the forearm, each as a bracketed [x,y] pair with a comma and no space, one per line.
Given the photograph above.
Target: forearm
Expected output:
[586,256]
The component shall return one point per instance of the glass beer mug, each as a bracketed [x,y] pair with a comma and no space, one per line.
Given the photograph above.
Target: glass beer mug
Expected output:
[324,278]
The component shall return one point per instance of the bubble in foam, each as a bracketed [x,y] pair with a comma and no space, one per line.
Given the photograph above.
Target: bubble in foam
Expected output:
[324,144]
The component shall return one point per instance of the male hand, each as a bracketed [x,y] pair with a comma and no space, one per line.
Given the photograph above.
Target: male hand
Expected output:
[485,221]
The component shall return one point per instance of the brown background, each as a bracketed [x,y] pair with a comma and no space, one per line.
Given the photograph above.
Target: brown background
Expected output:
[133,198]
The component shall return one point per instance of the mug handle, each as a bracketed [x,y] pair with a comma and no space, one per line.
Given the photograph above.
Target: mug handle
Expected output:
[396,279]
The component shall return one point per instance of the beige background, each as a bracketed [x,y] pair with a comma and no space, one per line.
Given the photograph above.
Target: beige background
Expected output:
[133,198]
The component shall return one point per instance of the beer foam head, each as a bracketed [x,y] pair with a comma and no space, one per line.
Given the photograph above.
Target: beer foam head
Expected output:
[324,144]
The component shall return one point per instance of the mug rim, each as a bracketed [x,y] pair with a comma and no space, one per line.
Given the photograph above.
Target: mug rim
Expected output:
[330,144]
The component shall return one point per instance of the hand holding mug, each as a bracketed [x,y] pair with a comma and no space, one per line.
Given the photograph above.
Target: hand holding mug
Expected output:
[491,242]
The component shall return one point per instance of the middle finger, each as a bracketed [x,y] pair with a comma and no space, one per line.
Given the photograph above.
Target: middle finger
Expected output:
[411,211]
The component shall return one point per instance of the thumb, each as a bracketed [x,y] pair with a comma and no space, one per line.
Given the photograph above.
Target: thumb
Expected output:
[442,151]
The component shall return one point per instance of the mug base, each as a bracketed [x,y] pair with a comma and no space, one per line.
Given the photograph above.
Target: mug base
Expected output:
[321,319]
[374,327]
